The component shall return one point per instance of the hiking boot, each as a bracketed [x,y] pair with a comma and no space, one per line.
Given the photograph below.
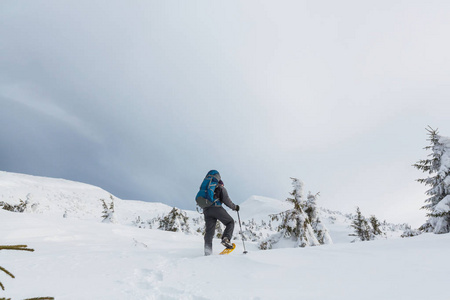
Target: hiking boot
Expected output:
[226,243]
[208,251]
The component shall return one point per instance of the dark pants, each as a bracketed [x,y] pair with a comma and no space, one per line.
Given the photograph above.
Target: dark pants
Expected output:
[212,214]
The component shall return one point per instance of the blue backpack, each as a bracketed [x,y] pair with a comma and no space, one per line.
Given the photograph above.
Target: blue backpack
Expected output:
[205,196]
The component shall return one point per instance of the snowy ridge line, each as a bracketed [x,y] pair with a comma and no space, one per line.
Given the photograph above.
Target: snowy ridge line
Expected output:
[69,199]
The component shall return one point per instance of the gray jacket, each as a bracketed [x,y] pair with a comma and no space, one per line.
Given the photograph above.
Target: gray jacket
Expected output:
[221,193]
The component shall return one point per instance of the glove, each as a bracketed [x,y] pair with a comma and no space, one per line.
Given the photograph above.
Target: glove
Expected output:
[237,208]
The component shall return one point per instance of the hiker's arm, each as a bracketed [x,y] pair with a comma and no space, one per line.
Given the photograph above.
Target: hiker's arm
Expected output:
[226,199]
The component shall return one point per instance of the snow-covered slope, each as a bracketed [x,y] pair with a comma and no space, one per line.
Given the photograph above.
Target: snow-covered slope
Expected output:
[52,196]
[79,257]
[59,197]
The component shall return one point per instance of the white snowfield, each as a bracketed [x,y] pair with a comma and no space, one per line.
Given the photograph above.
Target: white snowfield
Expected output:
[79,257]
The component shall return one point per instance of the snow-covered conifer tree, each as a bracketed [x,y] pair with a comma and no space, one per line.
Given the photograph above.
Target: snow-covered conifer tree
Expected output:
[320,230]
[361,226]
[438,167]
[376,226]
[295,225]
[108,211]
[176,220]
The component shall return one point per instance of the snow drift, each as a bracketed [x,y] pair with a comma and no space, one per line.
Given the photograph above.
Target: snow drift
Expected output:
[79,257]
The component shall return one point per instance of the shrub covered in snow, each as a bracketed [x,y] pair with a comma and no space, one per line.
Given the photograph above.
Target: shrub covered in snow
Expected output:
[13,208]
[411,232]
[23,206]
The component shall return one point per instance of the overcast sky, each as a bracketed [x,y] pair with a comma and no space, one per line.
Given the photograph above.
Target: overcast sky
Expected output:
[143,98]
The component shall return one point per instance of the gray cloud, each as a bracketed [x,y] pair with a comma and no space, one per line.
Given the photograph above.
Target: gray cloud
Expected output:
[143,98]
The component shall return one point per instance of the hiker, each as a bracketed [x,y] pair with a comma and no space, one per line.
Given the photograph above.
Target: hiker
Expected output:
[215,211]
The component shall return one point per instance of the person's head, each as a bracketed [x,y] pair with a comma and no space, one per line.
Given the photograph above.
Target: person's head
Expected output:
[215,174]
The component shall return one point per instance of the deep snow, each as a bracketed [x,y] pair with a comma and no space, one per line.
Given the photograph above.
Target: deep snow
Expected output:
[81,258]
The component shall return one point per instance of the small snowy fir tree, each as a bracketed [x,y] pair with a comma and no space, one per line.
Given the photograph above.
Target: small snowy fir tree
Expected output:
[361,227]
[321,232]
[376,226]
[295,225]
[108,211]
[175,221]
[366,230]
[438,167]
